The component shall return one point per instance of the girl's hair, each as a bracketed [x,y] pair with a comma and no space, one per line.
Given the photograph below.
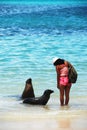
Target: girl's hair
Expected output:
[59,62]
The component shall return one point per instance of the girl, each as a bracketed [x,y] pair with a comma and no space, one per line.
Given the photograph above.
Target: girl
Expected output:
[63,83]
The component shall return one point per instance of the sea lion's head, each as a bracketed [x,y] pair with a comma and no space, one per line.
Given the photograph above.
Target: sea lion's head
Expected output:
[48,92]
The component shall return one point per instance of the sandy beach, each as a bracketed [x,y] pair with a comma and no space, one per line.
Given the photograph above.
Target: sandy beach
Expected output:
[67,123]
[46,121]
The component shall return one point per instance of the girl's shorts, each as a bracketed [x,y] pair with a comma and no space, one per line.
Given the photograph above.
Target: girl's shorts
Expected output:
[64,81]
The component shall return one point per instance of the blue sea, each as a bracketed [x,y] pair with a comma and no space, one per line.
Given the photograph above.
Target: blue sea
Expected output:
[32,33]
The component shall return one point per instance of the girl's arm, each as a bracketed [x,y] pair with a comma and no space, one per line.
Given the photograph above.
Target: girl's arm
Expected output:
[58,75]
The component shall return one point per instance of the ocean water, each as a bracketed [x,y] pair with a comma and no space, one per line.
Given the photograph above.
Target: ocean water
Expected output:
[31,34]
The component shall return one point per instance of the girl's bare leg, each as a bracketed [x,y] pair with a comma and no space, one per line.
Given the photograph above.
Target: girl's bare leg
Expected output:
[67,91]
[61,95]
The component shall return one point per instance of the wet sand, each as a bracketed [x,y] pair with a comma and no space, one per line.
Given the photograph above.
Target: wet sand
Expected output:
[24,121]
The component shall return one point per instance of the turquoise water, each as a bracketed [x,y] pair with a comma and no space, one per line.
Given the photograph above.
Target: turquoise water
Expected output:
[30,36]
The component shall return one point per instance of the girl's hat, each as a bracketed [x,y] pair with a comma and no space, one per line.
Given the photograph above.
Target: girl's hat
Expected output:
[55,59]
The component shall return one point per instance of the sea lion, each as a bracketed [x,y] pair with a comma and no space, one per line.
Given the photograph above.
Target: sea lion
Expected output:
[28,90]
[39,100]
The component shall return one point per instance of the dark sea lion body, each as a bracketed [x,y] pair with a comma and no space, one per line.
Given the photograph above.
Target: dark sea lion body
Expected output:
[28,90]
[39,100]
